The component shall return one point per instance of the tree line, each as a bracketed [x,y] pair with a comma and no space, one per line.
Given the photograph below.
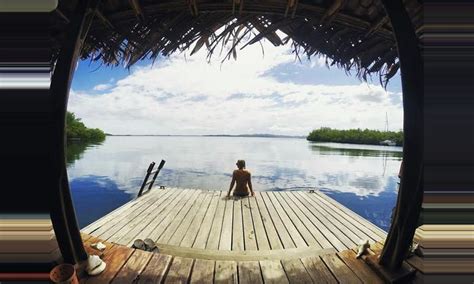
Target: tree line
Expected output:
[355,136]
[76,130]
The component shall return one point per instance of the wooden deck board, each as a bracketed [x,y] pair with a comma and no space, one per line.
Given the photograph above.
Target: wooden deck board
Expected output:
[180,270]
[127,233]
[260,233]
[216,228]
[194,216]
[195,225]
[203,271]
[295,234]
[249,239]
[327,233]
[237,226]
[225,242]
[156,269]
[318,270]
[178,218]
[280,228]
[133,267]
[354,228]
[272,235]
[343,273]
[155,227]
[325,222]
[296,271]
[273,272]
[300,226]
[249,272]
[225,272]
[352,215]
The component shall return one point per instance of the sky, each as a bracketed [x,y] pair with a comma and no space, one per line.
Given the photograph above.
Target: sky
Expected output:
[270,92]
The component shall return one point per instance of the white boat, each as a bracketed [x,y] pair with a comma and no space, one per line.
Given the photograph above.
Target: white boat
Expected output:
[388,143]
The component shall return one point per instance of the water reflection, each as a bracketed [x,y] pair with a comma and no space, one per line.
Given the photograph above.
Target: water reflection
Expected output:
[361,177]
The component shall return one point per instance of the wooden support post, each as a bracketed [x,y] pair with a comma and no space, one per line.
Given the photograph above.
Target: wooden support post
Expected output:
[62,212]
[411,186]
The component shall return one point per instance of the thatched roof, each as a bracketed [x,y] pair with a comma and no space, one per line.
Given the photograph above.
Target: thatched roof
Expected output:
[351,34]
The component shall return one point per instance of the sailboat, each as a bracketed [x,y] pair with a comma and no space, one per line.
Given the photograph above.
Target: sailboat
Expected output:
[387,142]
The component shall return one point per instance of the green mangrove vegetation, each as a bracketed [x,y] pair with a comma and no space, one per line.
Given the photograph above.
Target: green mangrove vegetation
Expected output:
[76,130]
[355,136]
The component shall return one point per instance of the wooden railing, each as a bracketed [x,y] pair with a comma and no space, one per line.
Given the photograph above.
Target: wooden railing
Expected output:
[150,172]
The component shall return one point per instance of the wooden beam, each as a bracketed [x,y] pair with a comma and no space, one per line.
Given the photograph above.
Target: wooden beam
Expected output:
[410,194]
[137,8]
[62,211]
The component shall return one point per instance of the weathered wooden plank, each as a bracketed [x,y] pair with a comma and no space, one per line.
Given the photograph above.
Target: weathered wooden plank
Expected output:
[178,218]
[180,270]
[300,226]
[116,213]
[359,267]
[226,272]
[318,270]
[114,224]
[206,225]
[339,269]
[250,241]
[198,222]
[296,272]
[260,233]
[237,226]
[333,212]
[336,237]
[156,227]
[170,215]
[156,269]
[354,239]
[133,267]
[285,237]
[352,215]
[194,217]
[225,242]
[115,260]
[273,272]
[272,235]
[128,232]
[203,271]
[217,223]
[249,272]
[303,214]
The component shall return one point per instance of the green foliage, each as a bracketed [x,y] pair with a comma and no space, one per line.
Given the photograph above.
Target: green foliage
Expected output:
[355,136]
[76,130]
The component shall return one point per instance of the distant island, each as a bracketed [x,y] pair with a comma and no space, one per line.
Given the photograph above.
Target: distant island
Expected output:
[355,136]
[255,135]
[77,131]
[214,135]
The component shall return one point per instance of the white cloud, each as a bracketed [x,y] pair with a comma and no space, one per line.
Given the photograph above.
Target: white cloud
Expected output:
[182,95]
[102,87]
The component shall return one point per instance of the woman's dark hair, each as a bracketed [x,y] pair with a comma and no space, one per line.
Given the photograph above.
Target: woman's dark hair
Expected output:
[240,164]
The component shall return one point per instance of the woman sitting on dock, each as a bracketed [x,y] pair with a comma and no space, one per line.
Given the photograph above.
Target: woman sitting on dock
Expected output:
[243,178]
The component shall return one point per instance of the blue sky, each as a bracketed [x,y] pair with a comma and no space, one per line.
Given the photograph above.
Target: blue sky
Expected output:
[270,93]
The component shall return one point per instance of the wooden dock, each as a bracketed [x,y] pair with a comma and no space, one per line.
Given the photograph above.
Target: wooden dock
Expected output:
[275,237]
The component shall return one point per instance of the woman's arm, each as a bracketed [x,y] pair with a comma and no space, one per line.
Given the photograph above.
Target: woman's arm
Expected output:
[231,184]
[250,185]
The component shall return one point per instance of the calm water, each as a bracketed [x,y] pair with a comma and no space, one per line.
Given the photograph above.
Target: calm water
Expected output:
[362,177]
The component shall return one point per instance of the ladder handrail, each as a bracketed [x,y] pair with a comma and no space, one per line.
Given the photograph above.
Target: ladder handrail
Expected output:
[150,172]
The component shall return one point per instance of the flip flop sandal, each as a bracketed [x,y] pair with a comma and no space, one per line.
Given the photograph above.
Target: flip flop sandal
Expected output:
[139,244]
[149,244]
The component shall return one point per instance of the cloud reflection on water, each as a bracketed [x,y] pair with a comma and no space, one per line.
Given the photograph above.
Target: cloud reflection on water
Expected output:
[361,177]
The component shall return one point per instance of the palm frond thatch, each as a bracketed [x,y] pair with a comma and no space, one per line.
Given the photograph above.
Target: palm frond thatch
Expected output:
[350,34]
